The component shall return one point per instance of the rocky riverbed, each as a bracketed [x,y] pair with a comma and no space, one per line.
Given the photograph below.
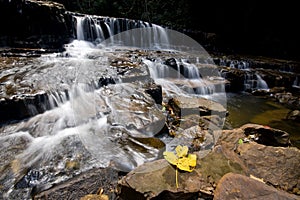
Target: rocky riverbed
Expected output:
[232,169]
[140,116]
[79,117]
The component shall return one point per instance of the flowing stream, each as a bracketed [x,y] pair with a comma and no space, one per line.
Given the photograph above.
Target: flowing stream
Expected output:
[89,105]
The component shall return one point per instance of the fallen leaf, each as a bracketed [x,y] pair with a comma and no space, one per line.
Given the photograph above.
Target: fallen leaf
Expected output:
[181,151]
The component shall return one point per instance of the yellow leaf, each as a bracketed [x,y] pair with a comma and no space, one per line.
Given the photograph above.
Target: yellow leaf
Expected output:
[171,157]
[181,151]
[192,160]
[183,164]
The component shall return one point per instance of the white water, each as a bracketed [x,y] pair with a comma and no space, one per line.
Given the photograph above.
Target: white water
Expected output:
[79,29]
[296,83]
[261,83]
[254,82]
[95,126]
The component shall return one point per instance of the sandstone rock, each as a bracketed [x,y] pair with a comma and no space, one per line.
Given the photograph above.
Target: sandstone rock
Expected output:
[236,186]
[185,105]
[277,166]
[156,180]
[266,135]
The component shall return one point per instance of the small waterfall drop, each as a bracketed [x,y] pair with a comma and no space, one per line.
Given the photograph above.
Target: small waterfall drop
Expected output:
[253,81]
[296,83]
[261,83]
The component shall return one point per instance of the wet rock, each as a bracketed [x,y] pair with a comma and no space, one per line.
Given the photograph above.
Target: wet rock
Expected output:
[86,183]
[260,92]
[135,109]
[235,77]
[276,78]
[104,81]
[155,92]
[22,107]
[186,105]
[211,122]
[275,90]
[288,100]
[236,186]
[171,62]
[266,135]
[294,115]
[244,62]
[195,138]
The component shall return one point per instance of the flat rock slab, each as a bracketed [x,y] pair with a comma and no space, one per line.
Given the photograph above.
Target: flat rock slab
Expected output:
[193,105]
[236,186]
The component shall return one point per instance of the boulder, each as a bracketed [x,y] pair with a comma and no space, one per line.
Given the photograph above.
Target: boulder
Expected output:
[237,186]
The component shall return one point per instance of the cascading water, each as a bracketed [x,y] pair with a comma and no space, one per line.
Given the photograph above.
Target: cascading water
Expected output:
[254,82]
[100,113]
[296,83]
[261,83]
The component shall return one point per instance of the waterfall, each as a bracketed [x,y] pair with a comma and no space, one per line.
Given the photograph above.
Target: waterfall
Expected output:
[97,29]
[261,83]
[79,28]
[254,82]
[296,83]
[93,117]
[183,79]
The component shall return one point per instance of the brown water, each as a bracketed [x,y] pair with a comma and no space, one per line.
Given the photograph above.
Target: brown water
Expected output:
[244,108]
